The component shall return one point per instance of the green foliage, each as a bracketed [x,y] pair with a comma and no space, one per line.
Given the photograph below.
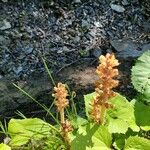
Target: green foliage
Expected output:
[137,143]
[23,130]
[92,137]
[141,75]
[121,117]
[88,101]
[142,115]
[119,141]
[4,147]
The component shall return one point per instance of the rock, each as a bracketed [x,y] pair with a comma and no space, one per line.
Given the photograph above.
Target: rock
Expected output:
[125,2]
[1,76]
[76,39]
[77,1]
[117,8]
[97,52]
[6,103]
[5,1]
[146,47]
[129,54]
[98,24]
[5,25]
[28,50]
[126,48]
[11,98]
[4,41]
[39,86]
[85,23]
[146,27]
[146,6]
[92,33]
[17,70]
[65,49]
[124,44]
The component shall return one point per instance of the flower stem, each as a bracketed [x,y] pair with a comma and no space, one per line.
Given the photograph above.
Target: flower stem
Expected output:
[62,116]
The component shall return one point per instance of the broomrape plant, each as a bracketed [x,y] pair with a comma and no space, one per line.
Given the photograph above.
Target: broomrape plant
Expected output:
[103,90]
[111,121]
[61,103]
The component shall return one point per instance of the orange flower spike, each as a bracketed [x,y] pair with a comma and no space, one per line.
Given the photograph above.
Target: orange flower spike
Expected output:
[66,127]
[60,95]
[95,112]
[104,86]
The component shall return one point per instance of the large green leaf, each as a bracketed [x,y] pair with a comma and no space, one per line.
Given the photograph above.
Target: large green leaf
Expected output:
[121,116]
[4,147]
[137,143]
[142,114]
[22,130]
[141,74]
[92,137]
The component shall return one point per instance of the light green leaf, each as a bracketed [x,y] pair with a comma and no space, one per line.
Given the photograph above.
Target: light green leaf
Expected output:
[121,117]
[92,137]
[137,143]
[78,121]
[118,126]
[142,114]
[88,99]
[22,130]
[141,75]
[4,147]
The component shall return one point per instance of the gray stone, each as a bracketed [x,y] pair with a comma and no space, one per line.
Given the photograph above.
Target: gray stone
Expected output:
[77,39]
[77,1]
[146,27]
[5,1]
[17,70]
[4,41]
[124,44]
[98,24]
[1,76]
[11,98]
[125,2]
[93,33]
[40,87]
[4,25]
[97,52]
[146,47]
[28,50]
[65,49]
[129,54]
[85,23]
[117,8]
[126,48]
